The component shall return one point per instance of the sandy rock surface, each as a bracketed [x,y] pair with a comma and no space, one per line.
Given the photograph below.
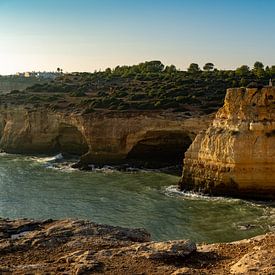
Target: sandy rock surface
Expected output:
[84,247]
[236,155]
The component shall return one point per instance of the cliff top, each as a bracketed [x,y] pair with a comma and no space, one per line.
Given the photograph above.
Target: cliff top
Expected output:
[148,86]
[88,94]
[251,96]
[250,103]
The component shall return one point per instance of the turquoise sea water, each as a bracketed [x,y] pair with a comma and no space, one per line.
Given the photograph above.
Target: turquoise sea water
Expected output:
[44,187]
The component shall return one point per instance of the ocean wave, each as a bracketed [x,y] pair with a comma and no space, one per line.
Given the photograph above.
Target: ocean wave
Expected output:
[4,154]
[63,168]
[119,168]
[112,169]
[173,190]
[105,169]
[57,162]
[55,158]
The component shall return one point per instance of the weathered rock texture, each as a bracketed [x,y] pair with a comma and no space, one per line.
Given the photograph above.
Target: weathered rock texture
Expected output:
[236,154]
[98,137]
[84,247]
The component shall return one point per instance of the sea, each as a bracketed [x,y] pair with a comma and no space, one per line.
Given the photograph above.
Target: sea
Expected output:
[43,187]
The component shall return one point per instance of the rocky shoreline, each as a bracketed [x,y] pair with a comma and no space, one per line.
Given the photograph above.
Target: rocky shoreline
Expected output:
[84,247]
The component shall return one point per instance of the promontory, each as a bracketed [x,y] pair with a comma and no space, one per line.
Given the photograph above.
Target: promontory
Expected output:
[236,154]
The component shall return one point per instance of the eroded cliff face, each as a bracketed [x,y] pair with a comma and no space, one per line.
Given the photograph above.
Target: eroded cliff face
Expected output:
[236,154]
[98,138]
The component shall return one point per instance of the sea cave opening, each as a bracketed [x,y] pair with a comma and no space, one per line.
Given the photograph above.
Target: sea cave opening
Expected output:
[70,141]
[156,149]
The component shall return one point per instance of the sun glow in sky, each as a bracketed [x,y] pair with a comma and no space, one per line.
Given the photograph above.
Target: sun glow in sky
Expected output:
[84,35]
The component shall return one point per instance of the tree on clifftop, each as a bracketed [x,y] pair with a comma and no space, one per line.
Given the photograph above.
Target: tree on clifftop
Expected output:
[208,67]
[170,69]
[193,68]
[258,65]
[152,66]
[272,71]
[243,71]
[258,69]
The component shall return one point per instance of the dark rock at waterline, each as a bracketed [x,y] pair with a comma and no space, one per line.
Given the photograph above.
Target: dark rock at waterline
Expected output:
[133,166]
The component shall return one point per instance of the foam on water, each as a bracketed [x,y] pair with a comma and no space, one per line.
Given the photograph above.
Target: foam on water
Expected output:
[173,190]
[4,154]
[55,158]
[105,169]
[56,162]
[59,162]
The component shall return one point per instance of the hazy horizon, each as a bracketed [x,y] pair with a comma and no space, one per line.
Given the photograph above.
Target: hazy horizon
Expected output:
[92,35]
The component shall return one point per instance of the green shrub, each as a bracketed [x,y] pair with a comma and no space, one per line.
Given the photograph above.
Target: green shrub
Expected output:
[78,94]
[137,96]
[145,106]
[88,110]
[15,92]
[181,99]
[121,94]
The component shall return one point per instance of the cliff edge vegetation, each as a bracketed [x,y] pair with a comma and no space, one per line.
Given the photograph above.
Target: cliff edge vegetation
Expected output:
[147,86]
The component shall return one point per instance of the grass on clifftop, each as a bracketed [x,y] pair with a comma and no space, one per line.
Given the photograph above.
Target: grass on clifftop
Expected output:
[146,86]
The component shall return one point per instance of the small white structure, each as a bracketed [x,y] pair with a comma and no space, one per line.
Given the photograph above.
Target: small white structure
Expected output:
[270,82]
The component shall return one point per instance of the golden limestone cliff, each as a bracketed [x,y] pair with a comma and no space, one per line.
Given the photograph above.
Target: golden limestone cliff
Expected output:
[98,138]
[236,154]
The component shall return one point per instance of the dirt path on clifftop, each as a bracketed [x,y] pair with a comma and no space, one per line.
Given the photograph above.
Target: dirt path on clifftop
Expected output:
[83,247]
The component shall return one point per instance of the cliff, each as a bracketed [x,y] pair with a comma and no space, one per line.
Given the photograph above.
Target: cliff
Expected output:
[84,247]
[99,138]
[236,154]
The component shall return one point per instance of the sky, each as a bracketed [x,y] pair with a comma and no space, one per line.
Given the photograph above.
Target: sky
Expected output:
[88,35]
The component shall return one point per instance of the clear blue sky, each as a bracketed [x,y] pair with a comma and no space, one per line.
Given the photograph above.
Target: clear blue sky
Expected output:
[84,35]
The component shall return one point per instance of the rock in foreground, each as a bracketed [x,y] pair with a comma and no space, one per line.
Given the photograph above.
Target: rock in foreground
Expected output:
[236,154]
[83,247]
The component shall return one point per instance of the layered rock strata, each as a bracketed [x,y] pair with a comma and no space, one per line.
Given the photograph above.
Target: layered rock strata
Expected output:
[99,138]
[236,154]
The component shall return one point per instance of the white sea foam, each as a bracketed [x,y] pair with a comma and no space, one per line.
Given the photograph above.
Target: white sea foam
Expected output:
[105,169]
[173,190]
[268,207]
[55,158]
[4,154]
[64,168]
[56,162]
[112,169]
